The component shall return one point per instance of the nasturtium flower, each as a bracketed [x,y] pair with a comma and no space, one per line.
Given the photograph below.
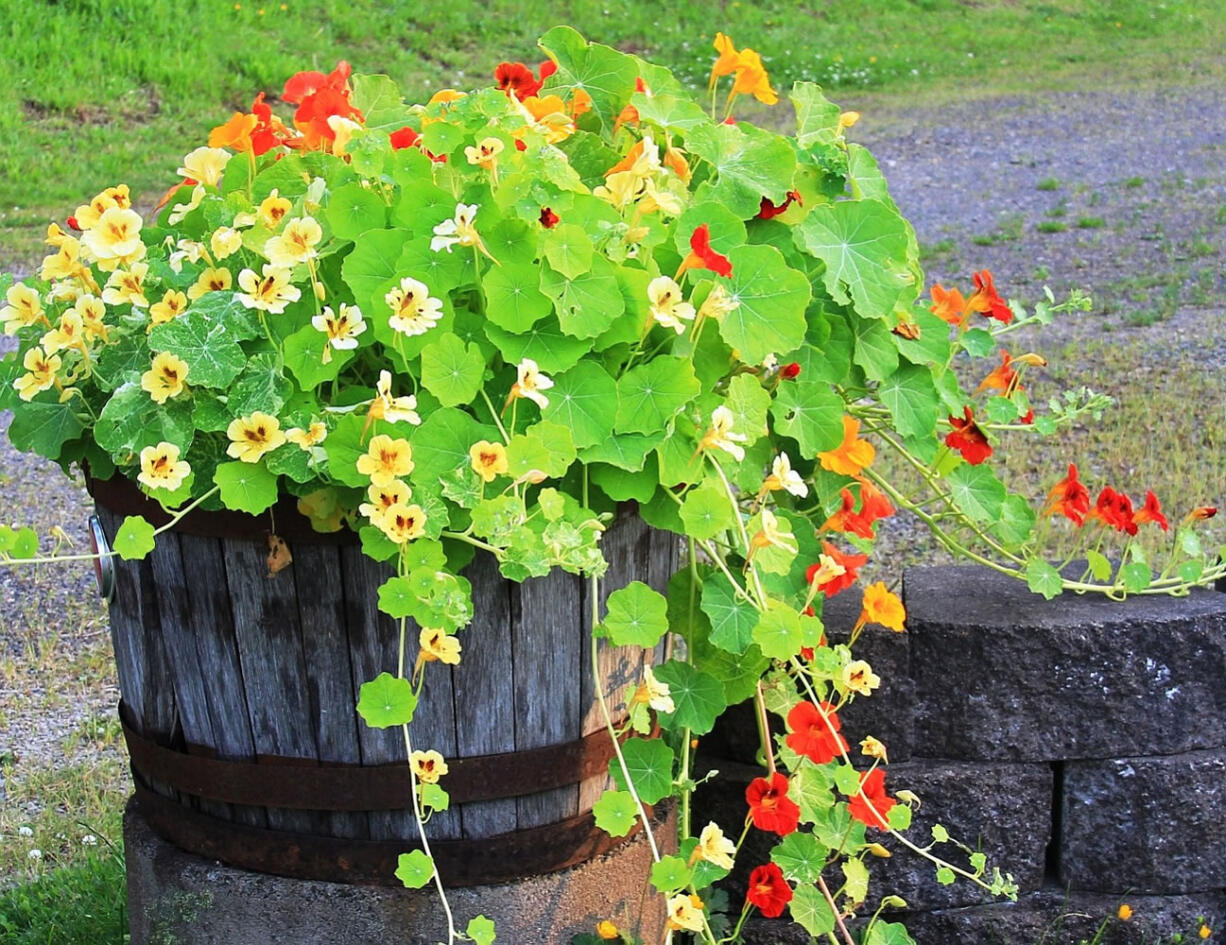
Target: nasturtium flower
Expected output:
[180,211]
[714,847]
[69,333]
[870,804]
[488,460]
[986,301]
[225,241]
[702,256]
[165,379]
[1151,511]
[720,435]
[302,85]
[848,520]
[685,913]
[87,215]
[784,477]
[64,263]
[882,606]
[485,153]
[172,305]
[718,303]
[653,693]
[607,931]
[728,59]
[343,130]
[858,676]
[318,103]
[389,408]
[1124,912]
[668,305]
[550,117]
[24,308]
[92,312]
[439,645]
[414,311]
[1114,509]
[530,382]
[517,79]
[1200,513]
[211,280]
[874,504]
[235,134]
[272,210]
[549,219]
[405,137]
[115,238]
[161,468]
[1204,931]
[770,808]
[342,329]
[949,306]
[770,535]
[458,230]
[768,209]
[402,523]
[386,459]
[41,369]
[429,766]
[270,292]
[768,890]
[205,165]
[873,748]
[751,79]
[850,564]
[967,438]
[814,731]
[186,250]
[295,244]
[621,189]
[824,571]
[251,437]
[1002,378]
[127,286]
[309,438]
[381,498]
[1069,497]
[853,454]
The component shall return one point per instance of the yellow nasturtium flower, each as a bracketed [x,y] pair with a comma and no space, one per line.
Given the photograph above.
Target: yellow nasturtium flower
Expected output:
[386,459]
[383,498]
[714,847]
[205,165]
[64,263]
[211,280]
[685,913]
[296,243]
[270,292]
[165,378]
[24,308]
[273,209]
[429,766]
[439,645]
[161,468]
[92,312]
[41,370]
[530,382]
[309,438]
[389,408]
[414,311]
[342,330]
[489,460]
[402,523]
[127,286]
[70,333]
[251,437]
[225,241]
[115,238]
[720,435]
[859,677]
[668,305]
[485,154]
[87,215]
[173,305]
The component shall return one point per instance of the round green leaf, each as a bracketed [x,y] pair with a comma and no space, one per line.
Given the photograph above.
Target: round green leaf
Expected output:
[386,701]
[650,763]
[452,370]
[651,394]
[414,869]
[134,539]
[246,487]
[638,616]
[670,874]
[583,399]
[513,298]
[771,316]
[615,813]
[707,510]
[481,930]
[698,698]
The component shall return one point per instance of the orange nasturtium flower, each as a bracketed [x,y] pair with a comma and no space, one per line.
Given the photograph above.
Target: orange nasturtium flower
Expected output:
[882,606]
[751,79]
[1069,497]
[429,766]
[235,134]
[702,256]
[814,732]
[607,931]
[251,437]
[968,438]
[1151,511]
[844,576]
[948,306]
[851,456]
[870,804]
[986,301]
[517,79]
[728,59]
[161,468]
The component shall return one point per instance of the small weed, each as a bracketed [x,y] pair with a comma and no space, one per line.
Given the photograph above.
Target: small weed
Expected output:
[1059,210]
[1048,183]
[1134,182]
[1220,217]
[1091,223]
[937,250]
[1051,226]
[1040,273]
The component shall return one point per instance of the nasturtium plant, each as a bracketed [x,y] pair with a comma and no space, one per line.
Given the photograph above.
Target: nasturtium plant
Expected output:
[477,324]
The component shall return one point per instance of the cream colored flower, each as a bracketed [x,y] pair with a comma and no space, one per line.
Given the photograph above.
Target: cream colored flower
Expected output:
[70,333]
[859,677]
[439,645]
[714,847]
[530,382]
[429,766]
[827,570]
[115,237]
[720,435]
[718,303]
[271,292]
[296,244]
[658,694]
[180,211]
[225,241]
[402,523]
[783,476]
[186,250]
[251,437]
[414,312]
[685,913]
[211,280]
[668,305]
[24,308]
[488,460]
[92,312]
[342,130]
[205,165]
[485,154]
[342,330]
[389,408]
[770,534]
[873,749]
[87,215]
[458,230]
[127,286]
[309,438]
[161,468]
[383,498]
[386,459]
[41,370]
[64,263]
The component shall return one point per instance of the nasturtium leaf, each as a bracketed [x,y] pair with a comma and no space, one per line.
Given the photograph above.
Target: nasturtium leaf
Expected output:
[304,357]
[650,763]
[615,813]
[372,265]
[130,420]
[812,414]
[864,246]
[889,933]
[583,399]
[292,461]
[481,930]
[386,701]
[1016,521]
[978,342]
[1043,579]
[875,349]
[813,792]
[434,797]
[629,451]
[568,249]
[133,540]
[1191,571]
[698,698]
[817,118]
[1135,576]
[544,447]
[545,343]
[855,876]
[811,912]
[945,876]
[44,427]
[670,112]
[246,487]
[670,874]
[513,298]
[22,542]
[452,370]
[800,857]
[214,358]
[732,618]
[707,510]
[737,672]
[899,817]
[605,74]
[932,347]
[976,491]
[725,229]
[396,598]
[750,163]
[621,485]
[354,209]
[1000,409]
[414,869]
[650,395]
[588,303]
[1100,567]
[749,402]
[773,297]
[778,632]
[380,102]
[262,386]
[442,443]
[911,397]
[638,616]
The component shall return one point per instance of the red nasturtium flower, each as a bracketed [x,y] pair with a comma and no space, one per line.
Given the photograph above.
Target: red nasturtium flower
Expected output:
[769,806]
[871,811]
[986,301]
[789,372]
[269,130]
[405,137]
[1151,511]
[702,256]
[516,79]
[968,439]
[873,502]
[303,85]
[847,519]
[1114,509]
[549,219]
[850,565]
[320,97]
[768,210]
[768,890]
[814,732]
[1069,497]
[1002,378]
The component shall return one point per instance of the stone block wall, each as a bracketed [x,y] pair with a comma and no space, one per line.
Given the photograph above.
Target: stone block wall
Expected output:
[1080,743]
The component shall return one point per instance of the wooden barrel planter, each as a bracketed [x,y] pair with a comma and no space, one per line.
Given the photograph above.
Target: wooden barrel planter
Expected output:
[239,693]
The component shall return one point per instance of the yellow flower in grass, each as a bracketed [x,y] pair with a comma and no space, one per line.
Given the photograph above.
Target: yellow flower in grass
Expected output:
[342,330]
[270,292]
[720,435]
[429,766]
[859,677]
[1124,912]
[272,210]
[383,498]
[251,437]
[225,241]
[70,333]
[211,280]
[24,308]
[41,369]
[205,165]
[1204,931]
[309,438]
[489,460]
[296,243]
[127,286]
[92,312]
[115,238]
[530,382]
[439,645]
[87,215]
[161,468]
[668,305]
[414,312]
[173,304]
[714,847]
[685,913]
[386,459]
[402,523]
[165,378]
[389,408]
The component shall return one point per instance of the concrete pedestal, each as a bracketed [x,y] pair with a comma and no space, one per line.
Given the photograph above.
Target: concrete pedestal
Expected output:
[176,897]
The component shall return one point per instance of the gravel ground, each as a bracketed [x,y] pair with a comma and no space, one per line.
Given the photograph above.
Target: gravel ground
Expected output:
[977,179]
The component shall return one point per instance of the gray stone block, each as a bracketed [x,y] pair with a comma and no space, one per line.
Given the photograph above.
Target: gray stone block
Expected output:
[1146,824]
[181,898]
[1001,674]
